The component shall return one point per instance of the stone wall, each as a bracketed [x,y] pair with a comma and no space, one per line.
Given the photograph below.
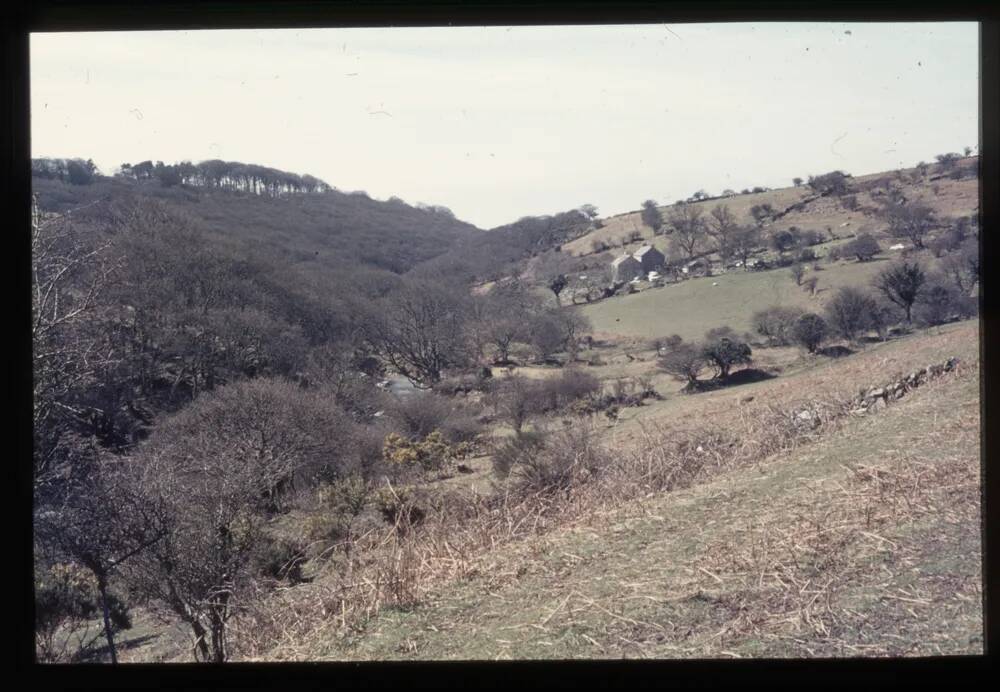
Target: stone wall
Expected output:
[877,398]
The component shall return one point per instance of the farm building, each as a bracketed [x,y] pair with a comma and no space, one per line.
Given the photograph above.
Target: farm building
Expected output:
[650,258]
[625,268]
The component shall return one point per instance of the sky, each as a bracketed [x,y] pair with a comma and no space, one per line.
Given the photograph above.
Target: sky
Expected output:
[497,123]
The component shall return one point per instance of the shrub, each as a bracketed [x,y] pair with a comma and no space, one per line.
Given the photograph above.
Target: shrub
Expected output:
[399,506]
[463,426]
[850,312]
[884,315]
[685,362]
[810,330]
[785,240]
[668,343]
[952,239]
[726,352]
[418,414]
[797,271]
[553,463]
[433,453]
[776,323]
[833,183]
[515,399]
[901,283]
[807,255]
[66,597]
[864,247]
[812,237]
[557,393]
[940,302]
[338,504]
[850,202]
[281,559]
[511,450]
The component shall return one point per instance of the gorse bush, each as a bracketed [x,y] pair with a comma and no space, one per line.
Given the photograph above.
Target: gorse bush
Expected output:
[433,453]
[281,559]
[399,506]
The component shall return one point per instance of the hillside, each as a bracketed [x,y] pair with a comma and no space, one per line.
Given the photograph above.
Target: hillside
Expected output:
[730,297]
[948,197]
[860,540]
[326,231]
[399,452]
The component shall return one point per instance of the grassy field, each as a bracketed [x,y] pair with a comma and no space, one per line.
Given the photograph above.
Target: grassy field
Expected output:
[863,540]
[691,307]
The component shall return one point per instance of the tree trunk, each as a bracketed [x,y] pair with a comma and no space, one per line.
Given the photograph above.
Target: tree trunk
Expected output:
[201,643]
[102,586]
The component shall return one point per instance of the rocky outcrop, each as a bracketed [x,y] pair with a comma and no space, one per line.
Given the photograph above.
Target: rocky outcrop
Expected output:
[877,398]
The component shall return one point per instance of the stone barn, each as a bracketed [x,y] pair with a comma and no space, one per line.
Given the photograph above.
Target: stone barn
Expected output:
[625,268]
[650,258]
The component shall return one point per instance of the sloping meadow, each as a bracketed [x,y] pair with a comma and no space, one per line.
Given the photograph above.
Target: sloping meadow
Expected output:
[604,475]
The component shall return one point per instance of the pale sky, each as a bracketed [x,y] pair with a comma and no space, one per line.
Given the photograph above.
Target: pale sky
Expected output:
[501,122]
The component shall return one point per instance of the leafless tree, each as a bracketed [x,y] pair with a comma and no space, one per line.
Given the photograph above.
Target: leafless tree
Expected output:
[901,283]
[688,228]
[71,267]
[98,518]
[219,468]
[743,242]
[911,220]
[721,226]
[685,362]
[421,330]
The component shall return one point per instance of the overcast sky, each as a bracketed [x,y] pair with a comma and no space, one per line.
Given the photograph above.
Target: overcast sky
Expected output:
[498,123]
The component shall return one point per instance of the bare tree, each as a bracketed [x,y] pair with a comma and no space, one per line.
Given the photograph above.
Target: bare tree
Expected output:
[685,362]
[71,268]
[558,330]
[911,220]
[901,284]
[99,519]
[721,226]
[743,242]
[850,312]
[553,270]
[420,330]
[688,228]
[219,468]
[505,318]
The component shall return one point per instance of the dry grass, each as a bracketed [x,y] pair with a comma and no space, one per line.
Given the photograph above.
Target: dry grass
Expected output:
[470,538]
[791,579]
